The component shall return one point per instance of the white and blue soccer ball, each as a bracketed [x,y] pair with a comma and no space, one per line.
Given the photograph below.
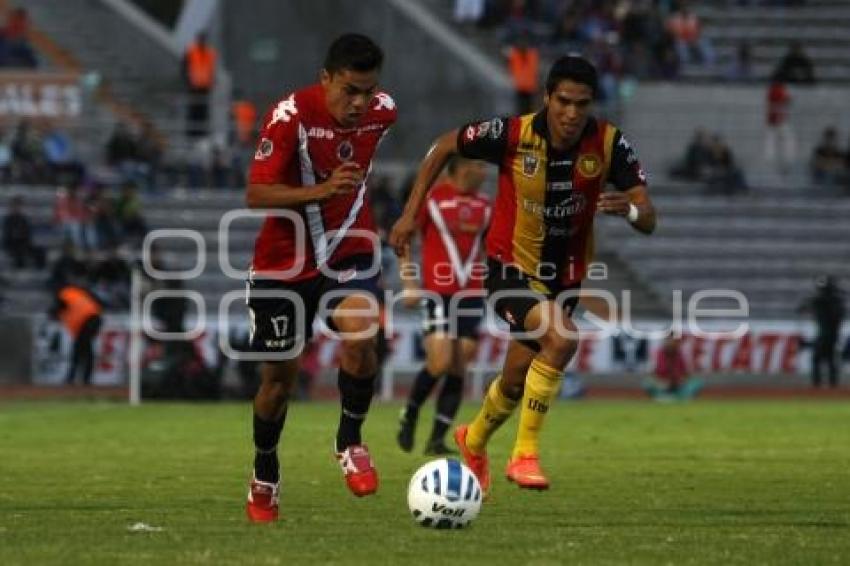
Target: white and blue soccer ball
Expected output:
[444,494]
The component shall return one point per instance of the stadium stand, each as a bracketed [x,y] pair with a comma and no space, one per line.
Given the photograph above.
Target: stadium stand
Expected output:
[819,25]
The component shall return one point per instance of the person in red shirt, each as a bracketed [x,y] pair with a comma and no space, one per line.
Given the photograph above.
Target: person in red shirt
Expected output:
[452,226]
[317,254]
[670,380]
[780,145]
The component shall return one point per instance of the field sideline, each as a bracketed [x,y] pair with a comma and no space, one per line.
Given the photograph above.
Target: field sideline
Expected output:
[732,482]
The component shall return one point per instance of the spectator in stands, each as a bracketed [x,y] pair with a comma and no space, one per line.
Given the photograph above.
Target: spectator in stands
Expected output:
[796,67]
[741,68]
[80,313]
[609,65]
[566,36]
[780,144]
[128,212]
[827,163]
[640,33]
[697,161]
[201,162]
[524,67]
[5,158]
[827,306]
[28,162]
[17,237]
[148,157]
[598,24]
[199,63]
[111,280]
[63,165]
[670,380]
[244,115]
[103,228]
[122,152]
[691,45]
[70,214]
[468,11]
[15,48]
[220,173]
[519,20]
[67,268]
[724,176]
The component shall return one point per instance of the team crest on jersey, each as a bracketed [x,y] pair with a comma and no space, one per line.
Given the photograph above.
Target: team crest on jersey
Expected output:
[530,164]
[345,151]
[264,150]
[589,165]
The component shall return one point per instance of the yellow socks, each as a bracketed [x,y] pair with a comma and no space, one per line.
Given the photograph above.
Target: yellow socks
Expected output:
[496,410]
[541,386]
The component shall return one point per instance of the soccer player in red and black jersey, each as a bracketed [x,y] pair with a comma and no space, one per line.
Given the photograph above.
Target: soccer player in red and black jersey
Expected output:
[452,225]
[553,168]
[312,160]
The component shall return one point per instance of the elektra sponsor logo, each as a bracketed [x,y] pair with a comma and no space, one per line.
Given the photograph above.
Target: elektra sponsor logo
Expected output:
[570,206]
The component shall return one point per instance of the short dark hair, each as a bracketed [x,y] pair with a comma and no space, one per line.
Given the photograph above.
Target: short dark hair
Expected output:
[572,68]
[355,52]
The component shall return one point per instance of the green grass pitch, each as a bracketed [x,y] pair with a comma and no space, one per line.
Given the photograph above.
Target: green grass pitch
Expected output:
[633,483]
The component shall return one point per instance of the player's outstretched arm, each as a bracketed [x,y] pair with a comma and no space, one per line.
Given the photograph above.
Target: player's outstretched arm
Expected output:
[429,169]
[634,204]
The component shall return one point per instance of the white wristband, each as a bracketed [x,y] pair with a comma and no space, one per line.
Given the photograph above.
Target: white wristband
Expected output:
[632,216]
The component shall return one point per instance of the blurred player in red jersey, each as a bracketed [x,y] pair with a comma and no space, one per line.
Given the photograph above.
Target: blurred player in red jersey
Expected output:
[452,225]
[553,167]
[312,159]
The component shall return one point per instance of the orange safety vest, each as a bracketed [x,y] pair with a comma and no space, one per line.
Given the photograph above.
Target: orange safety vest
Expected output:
[200,63]
[523,65]
[244,116]
[79,307]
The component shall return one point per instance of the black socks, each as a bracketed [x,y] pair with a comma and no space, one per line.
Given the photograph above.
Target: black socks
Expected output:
[266,437]
[423,384]
[355,395]
[448,403]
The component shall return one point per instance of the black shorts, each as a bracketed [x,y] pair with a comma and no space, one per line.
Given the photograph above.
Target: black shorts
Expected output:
[285,322]
[512,294]
[439,316]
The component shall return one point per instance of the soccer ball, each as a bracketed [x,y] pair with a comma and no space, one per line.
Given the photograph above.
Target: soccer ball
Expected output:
[444,494]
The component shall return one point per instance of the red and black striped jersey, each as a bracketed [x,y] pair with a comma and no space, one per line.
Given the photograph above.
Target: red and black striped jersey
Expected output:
[543,212]
[300,145]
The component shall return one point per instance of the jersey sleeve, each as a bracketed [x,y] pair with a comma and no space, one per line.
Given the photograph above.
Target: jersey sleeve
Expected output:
[486,140]
[625,171]
[278,142]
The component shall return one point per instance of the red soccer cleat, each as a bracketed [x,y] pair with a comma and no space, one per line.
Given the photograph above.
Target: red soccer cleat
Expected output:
[263,497]
[526,473]
[360,473]
[479,465]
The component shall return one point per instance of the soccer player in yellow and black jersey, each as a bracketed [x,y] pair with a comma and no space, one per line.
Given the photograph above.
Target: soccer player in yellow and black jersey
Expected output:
[553,168]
